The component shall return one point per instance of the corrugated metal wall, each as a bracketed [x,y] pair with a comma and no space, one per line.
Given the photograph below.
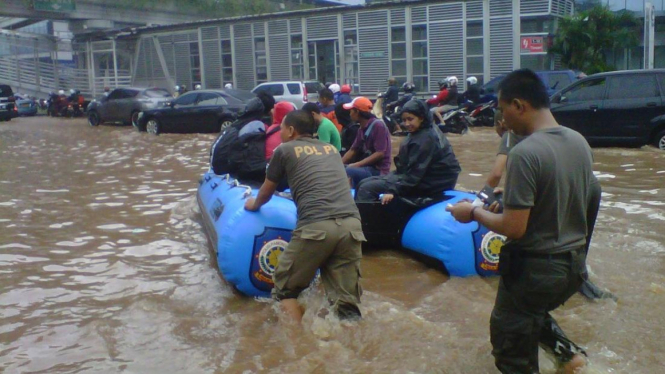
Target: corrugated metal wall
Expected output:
[534,6]
[322,27]
[373,47]
[278,38]
[445,49]
[211,57]
[244,57]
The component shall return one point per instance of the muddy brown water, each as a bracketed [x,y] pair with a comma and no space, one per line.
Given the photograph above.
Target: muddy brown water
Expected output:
[105,268]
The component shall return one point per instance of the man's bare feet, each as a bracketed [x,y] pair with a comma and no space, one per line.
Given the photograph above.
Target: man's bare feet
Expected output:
[575,365]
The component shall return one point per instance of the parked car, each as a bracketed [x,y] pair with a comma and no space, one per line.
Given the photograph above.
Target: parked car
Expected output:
[123,105]
[554,80]
[7,105]
[294,92]
[194,111]
[26,106]
[313,88]
[623,107]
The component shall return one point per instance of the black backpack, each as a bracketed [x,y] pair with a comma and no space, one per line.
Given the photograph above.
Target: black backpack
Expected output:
[242,156]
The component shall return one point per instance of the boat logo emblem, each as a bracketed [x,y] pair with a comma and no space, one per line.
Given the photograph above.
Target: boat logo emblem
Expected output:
[491,247]
[269,255]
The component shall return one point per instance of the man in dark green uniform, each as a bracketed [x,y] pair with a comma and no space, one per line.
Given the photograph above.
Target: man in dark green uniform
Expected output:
[548,188]
[328,235]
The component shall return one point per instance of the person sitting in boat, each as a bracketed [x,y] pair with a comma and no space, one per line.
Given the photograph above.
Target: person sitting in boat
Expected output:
[273,139]
[240,148]
[371,150]
[426,164]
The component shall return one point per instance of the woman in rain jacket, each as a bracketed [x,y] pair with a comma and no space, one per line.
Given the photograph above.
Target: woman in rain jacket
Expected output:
[426,164]
[273,139]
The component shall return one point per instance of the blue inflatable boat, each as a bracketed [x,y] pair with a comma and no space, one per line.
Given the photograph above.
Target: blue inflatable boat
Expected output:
[248,244]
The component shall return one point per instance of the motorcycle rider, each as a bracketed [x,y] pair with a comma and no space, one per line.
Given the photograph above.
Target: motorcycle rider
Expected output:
[472,92]
[344,95]
[408,89]
[335,88]
[391,95]
[446,99]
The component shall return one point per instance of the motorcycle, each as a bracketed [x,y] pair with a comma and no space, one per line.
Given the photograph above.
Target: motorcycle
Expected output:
[57,105]
[455,122]
[75,105]
[483,114]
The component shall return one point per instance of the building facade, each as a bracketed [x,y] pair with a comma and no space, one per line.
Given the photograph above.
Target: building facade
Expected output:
[417,41]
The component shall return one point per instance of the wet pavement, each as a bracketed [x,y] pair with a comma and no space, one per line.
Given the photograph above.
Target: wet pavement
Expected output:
[105,267]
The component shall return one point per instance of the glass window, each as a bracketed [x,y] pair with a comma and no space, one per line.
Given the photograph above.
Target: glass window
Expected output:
[420,67]
[273,89]
[633,86]
[294,88]
[398,34]
[421,84]
[208,99]
[186,99]
[350,37]
[474,47]
[474,28]
[475,65]
[593,89]
[157,93]
[419,49]
[127,94]
[115,94]
[662,84]
[226,46]
[399,68]
[557,81]
[399,50]
[312,87]
[419,32]
[296,41]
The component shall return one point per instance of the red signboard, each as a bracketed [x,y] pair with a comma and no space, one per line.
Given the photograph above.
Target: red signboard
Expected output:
[532,44]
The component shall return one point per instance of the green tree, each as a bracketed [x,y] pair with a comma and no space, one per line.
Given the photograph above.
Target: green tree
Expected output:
[583,39]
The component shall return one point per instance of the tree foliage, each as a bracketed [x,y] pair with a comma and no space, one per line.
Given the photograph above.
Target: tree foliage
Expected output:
[583,39]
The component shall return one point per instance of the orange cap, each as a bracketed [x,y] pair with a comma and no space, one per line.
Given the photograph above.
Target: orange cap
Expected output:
[360,103]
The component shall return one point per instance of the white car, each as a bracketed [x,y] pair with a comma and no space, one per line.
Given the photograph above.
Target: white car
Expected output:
[292,91]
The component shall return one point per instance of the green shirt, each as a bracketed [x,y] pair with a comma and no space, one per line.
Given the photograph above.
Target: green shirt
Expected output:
[317,178]
[550,172]
[328,134]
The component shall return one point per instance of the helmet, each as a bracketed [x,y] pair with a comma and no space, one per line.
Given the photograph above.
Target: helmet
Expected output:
[346,89]
[443,83]
[452,80]
[72,91]
[61,92]
[472,80]
[197,87]
[408,87]
[177,88]
[228,86]
[335,88]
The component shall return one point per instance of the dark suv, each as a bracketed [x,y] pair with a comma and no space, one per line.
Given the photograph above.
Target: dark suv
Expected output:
[7,103]
[623,107]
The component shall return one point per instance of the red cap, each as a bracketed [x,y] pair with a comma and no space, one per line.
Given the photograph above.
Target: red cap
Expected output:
[360,103]
[346,89]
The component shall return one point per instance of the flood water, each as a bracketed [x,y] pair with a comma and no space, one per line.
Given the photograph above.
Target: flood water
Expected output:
[105,268]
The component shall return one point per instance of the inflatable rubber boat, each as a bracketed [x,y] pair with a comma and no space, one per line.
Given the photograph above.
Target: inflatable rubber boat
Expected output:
[247,244]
